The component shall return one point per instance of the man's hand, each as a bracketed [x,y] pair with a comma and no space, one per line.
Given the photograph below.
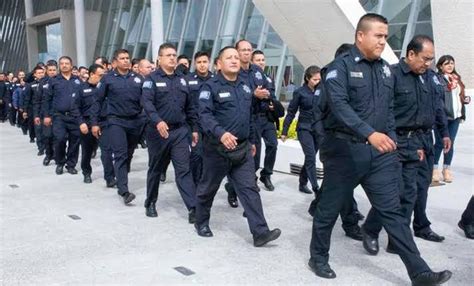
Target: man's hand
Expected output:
[195,139]
[254,150]
[47,121]
[382,142]
[283,138]
[447,144]
[421,154]
[37,121]
[25,115]
[96,132]
[261,93]
[84,128]
[162,128]
[229,140]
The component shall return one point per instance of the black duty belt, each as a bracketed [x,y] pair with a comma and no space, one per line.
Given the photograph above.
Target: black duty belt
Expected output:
[348,137]
[124,116]
[66,113]
[410,132]
[174,126]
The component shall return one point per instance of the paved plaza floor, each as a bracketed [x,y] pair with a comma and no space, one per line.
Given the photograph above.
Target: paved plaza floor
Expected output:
[56,230]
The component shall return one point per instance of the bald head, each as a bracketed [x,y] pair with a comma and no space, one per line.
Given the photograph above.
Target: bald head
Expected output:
[144,67]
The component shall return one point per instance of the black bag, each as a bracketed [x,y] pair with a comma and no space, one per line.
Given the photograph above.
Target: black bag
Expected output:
[236,156]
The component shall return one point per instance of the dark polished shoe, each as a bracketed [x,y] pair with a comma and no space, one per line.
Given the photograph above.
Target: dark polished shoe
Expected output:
[266,237]
[267,183]
[231,195]
[192,216]
[322,270]
[304,189]
[203,231]
[355,233]
[59,169]
[111,183]
[94,154]
[71,170]
[430,236]
[46,161]
[128,197]
[40,153]
[151,210]
[87,179]
[32,140]
[359,216]
[390,248]
[370,244]
[431,278]
[163,177]
[467,228]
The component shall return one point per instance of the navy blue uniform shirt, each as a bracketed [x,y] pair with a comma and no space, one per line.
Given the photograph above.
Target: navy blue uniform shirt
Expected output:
[360,96]
[167,98]
[255,77]
[226,106]
[307,101]
[195,83]
[85,102]
[123,94]
[61,94]
[31,93]
[40,100]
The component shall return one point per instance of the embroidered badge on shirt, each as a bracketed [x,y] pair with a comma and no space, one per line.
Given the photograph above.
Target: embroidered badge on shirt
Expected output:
[183,82]
[386,71]
[147,84]
[436,80]
[247,89]
[357,74]
[204,94]
[137,80]
[76,81]
[317,92]
[331,74]
[45,85]
[87,90]
[258,75]
[224,94]
[193,82]
[161,84]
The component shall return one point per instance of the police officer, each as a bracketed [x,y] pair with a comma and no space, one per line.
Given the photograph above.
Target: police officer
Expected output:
[32,92]
[170,112]
[120,89]
[416,106]
[59,108]
[3,97]
[358,148]
[85,107]
[38,101]
[195,81]
[225,114]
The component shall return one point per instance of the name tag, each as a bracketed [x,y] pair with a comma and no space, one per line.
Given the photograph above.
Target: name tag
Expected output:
[34,85]
[161,84]
[357,74]
[224,94]
[193,82]
[87,90]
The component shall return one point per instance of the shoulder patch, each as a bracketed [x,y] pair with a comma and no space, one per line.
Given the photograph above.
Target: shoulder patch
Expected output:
[76,81]
[147,84]
[137,80]
[45,85]
[205,94]
[258,75]
[436,80]
[331,74]
[317,92]
[193,82]
[386,71]
[183,82]
[246,88]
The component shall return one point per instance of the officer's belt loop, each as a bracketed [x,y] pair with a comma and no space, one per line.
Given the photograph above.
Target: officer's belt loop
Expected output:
[349,137]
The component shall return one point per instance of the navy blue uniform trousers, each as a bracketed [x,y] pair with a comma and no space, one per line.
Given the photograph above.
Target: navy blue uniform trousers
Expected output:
[346,165]
[266,130]
[177,148]
[214,169]
[106,153]
[66,130]
[88,143]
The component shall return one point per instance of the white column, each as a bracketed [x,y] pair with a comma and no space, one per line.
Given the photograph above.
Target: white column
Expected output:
[157,31]
[29,9]
[79,13]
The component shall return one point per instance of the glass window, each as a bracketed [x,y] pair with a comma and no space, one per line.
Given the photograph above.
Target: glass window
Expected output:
[178,19]
[254,27]
[49,42]
[396,36]
[425,11]
[195,18]
[210,30]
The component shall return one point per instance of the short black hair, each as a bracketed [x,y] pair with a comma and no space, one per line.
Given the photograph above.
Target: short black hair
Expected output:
[165,46]
[93,68]
[38,67]
[219,55]
[369,17]
[201,54]
[257,52]
[240,41]
[65,58]
[416,43]
[102,59]
[135,61]
[310,72]
[344,48]
[180,57]
[118,52]
[82,68]
[52,63]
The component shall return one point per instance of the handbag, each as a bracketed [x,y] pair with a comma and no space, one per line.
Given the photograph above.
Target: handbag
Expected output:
[236,156]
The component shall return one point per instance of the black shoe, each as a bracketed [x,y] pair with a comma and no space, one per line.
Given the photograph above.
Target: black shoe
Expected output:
[231,195]
[359,216]
[192,216]
[266,237]
[354,233]
[87,179]
[151,210]
[267,183]
[429,235]
[304,189]
[322,270]
[111,183]
[203,231]
[431,278]
[46,161]
[59,169]
[128,197]
[32,140]
[71,170]
[143,145]
[370,244]
[40,153]
[390,248]
[467,228]
[163,177]
[94,154]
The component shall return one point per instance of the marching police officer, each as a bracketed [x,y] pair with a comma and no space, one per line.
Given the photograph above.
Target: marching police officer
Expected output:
[59,108]
[358,148]
[417,104]
[120,89]
[32,92]
[225,114]
[3,97]
[85,105]
[171,112]
[195,81]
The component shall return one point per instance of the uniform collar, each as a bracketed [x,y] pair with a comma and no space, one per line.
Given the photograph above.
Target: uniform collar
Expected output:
[223,80]
[404,66]
[162,73]
[357,56]
[195,75]
[129,73]
[73,77]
